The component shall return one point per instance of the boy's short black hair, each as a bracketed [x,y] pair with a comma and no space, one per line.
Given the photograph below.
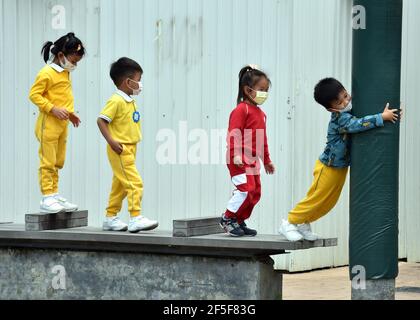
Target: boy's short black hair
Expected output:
[124,68]
[327,90]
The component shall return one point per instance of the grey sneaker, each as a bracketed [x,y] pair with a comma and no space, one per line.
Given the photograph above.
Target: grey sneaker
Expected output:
[231,227]
[248,231]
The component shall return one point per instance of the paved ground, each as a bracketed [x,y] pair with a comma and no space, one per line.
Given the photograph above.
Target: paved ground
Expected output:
[334,284]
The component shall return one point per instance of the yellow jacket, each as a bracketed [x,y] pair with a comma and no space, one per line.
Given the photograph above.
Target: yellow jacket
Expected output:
[52,87]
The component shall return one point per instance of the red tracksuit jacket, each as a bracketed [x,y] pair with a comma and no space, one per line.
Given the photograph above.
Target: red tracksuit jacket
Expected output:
[247,136]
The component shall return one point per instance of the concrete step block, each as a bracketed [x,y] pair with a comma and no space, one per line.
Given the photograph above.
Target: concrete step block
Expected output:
[59,224]
[197,231]
[45,217]
[54,221]
[195,222]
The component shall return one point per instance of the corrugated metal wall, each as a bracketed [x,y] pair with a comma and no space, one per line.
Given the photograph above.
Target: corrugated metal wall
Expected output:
[191,51]
[321,47]
[410,137]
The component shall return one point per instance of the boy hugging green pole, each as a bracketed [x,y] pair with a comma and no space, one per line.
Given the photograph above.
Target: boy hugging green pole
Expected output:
[366,138]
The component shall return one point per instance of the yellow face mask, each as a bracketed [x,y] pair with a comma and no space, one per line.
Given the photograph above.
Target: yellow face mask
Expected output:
[260,97]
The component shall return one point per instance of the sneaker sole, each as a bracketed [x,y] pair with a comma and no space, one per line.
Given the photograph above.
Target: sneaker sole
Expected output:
[310,240]
[235,235]
[48,211]
[231,234]
[110,229]
[145,229]
[71,210]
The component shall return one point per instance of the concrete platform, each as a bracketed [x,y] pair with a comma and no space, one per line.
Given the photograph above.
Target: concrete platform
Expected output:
[89,238]
[89,263]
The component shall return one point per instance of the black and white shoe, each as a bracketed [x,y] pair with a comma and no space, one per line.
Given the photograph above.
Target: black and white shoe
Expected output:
[231,227]
[247,231]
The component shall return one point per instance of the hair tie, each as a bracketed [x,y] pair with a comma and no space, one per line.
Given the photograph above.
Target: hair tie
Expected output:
[254,66]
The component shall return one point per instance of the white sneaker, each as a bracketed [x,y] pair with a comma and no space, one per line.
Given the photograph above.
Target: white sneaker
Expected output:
[290,231]
[114,224]
[69,207]
[141,223]
[306,231]
[50,204]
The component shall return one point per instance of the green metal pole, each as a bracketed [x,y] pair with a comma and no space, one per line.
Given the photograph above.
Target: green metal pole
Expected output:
[375,154]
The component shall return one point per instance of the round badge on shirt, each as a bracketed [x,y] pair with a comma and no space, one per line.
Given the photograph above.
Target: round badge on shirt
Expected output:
[136,116]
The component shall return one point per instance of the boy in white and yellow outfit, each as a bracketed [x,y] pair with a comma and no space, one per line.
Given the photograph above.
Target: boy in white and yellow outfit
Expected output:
[52,94]
[119,123]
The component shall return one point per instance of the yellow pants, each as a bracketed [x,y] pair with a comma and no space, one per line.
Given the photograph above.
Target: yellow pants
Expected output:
[52,136]
[322,196]
[126,181]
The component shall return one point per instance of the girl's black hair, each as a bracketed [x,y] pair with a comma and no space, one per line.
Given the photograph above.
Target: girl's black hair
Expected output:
[249,76]
[68,44]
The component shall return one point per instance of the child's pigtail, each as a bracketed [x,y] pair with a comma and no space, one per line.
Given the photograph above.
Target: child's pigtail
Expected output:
[243,82]
[46,50]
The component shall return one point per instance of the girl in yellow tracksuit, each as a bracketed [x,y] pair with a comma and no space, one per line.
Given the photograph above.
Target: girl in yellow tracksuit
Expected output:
[52,94]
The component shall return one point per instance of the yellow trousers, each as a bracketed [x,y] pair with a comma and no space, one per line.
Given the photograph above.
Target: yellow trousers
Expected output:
[322,196]
[52,136]
[126,181]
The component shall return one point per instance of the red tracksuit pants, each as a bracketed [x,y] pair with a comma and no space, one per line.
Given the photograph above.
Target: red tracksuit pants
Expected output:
[246,195]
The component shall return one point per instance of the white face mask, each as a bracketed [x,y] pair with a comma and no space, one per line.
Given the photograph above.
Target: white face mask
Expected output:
[68,65]
[137,91]
[348,108]
[260,97]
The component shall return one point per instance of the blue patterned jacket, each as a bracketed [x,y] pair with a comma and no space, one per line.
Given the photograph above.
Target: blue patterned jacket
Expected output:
[340,128]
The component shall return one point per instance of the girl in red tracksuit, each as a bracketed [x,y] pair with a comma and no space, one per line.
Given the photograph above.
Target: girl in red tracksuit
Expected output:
[247,145]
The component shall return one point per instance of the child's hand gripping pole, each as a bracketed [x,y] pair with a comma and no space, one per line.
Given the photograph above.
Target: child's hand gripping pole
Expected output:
[391,114]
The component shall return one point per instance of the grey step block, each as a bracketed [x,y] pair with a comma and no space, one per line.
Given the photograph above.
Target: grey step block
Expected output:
[58,224]
[44,217]
[198,231]
[330,242]
[196,222]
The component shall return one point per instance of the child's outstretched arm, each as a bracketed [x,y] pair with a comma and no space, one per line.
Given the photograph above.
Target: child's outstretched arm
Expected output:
[349,124]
